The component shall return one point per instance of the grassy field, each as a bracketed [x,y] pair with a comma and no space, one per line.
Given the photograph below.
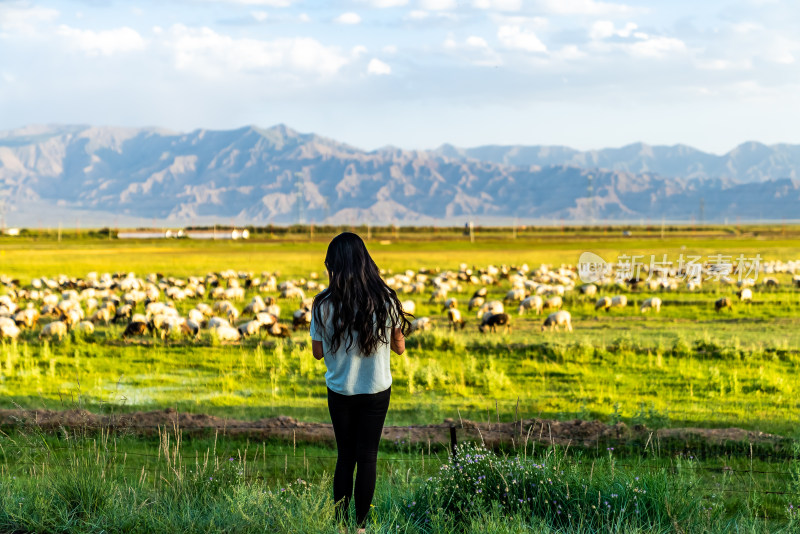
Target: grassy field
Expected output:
[687,366]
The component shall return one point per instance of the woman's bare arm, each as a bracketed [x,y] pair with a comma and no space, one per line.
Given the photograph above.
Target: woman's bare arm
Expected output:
[398,341]
[317,350]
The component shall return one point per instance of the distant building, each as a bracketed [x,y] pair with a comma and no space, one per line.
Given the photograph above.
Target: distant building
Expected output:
[150,234]
[219,233]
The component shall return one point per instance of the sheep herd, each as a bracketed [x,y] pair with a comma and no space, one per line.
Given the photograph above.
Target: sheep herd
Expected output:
[544,289]
[150,305]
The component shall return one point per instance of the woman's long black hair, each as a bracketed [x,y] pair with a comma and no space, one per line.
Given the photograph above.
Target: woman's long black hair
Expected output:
[358,299]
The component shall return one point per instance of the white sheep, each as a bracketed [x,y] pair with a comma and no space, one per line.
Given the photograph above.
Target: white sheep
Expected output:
[553,303]
[515,295]
[455,319]
[227,333]
[534,303]
[421,324]
[493,307]
[408,306]
[86,327]
[651,303]
[745,294]
[557,319]
[57,329]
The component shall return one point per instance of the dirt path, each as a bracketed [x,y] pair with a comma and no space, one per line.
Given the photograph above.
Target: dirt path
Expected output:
[575,433]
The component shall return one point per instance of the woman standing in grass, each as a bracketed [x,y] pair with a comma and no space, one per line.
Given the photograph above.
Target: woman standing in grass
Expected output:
[354,324]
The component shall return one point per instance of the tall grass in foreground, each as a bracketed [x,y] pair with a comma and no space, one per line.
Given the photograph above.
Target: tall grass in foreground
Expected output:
[95,488]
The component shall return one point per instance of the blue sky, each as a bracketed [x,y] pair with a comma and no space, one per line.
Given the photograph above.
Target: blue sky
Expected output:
[413,73]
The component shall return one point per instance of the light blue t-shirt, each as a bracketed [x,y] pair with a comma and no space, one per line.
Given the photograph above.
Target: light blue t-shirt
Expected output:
[350,373]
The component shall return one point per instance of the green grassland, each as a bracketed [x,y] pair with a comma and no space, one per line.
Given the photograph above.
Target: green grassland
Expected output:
[687,365]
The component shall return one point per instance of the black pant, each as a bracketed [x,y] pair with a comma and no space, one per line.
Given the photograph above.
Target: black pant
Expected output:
[358,424]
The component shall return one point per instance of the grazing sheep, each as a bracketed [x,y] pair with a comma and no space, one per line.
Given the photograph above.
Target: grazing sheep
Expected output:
[421,324]
[27,317]
[455,319]
[620,301]
[651,303]
[588,290]
[9,330]
[292,292]
[480,293]
[603,303]
[103,314]
[771,282]
[250,328]
[534,303]
[724,302]
[745,294]
[266,319]
[408,306]
[439,294]
[227,333]
[450,303]
[135,328]
[255,306]
[558,319]
[279,330]
[85,327]
[491,322]
[196,315]
[123,313]
[553,303]
[218,322]
[475,302]
[693,285]
[515,295]
[301,318]
[491,308]
[57,329]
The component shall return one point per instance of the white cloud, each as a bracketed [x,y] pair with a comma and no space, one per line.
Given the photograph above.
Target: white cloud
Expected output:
[656,46]
[104,42]
[437,5]
[358,50]
[498,5]
[477,42]
[418,15]
[390,49]
[303,17]
[603,29]
[266,3]
[518,38]
[24,21]
[212,54]
[382,4]
[584,7]
[348,18]
[376,66]
[260,16]
[569,53]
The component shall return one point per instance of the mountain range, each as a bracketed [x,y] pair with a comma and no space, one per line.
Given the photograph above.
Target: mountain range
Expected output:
[250,175]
